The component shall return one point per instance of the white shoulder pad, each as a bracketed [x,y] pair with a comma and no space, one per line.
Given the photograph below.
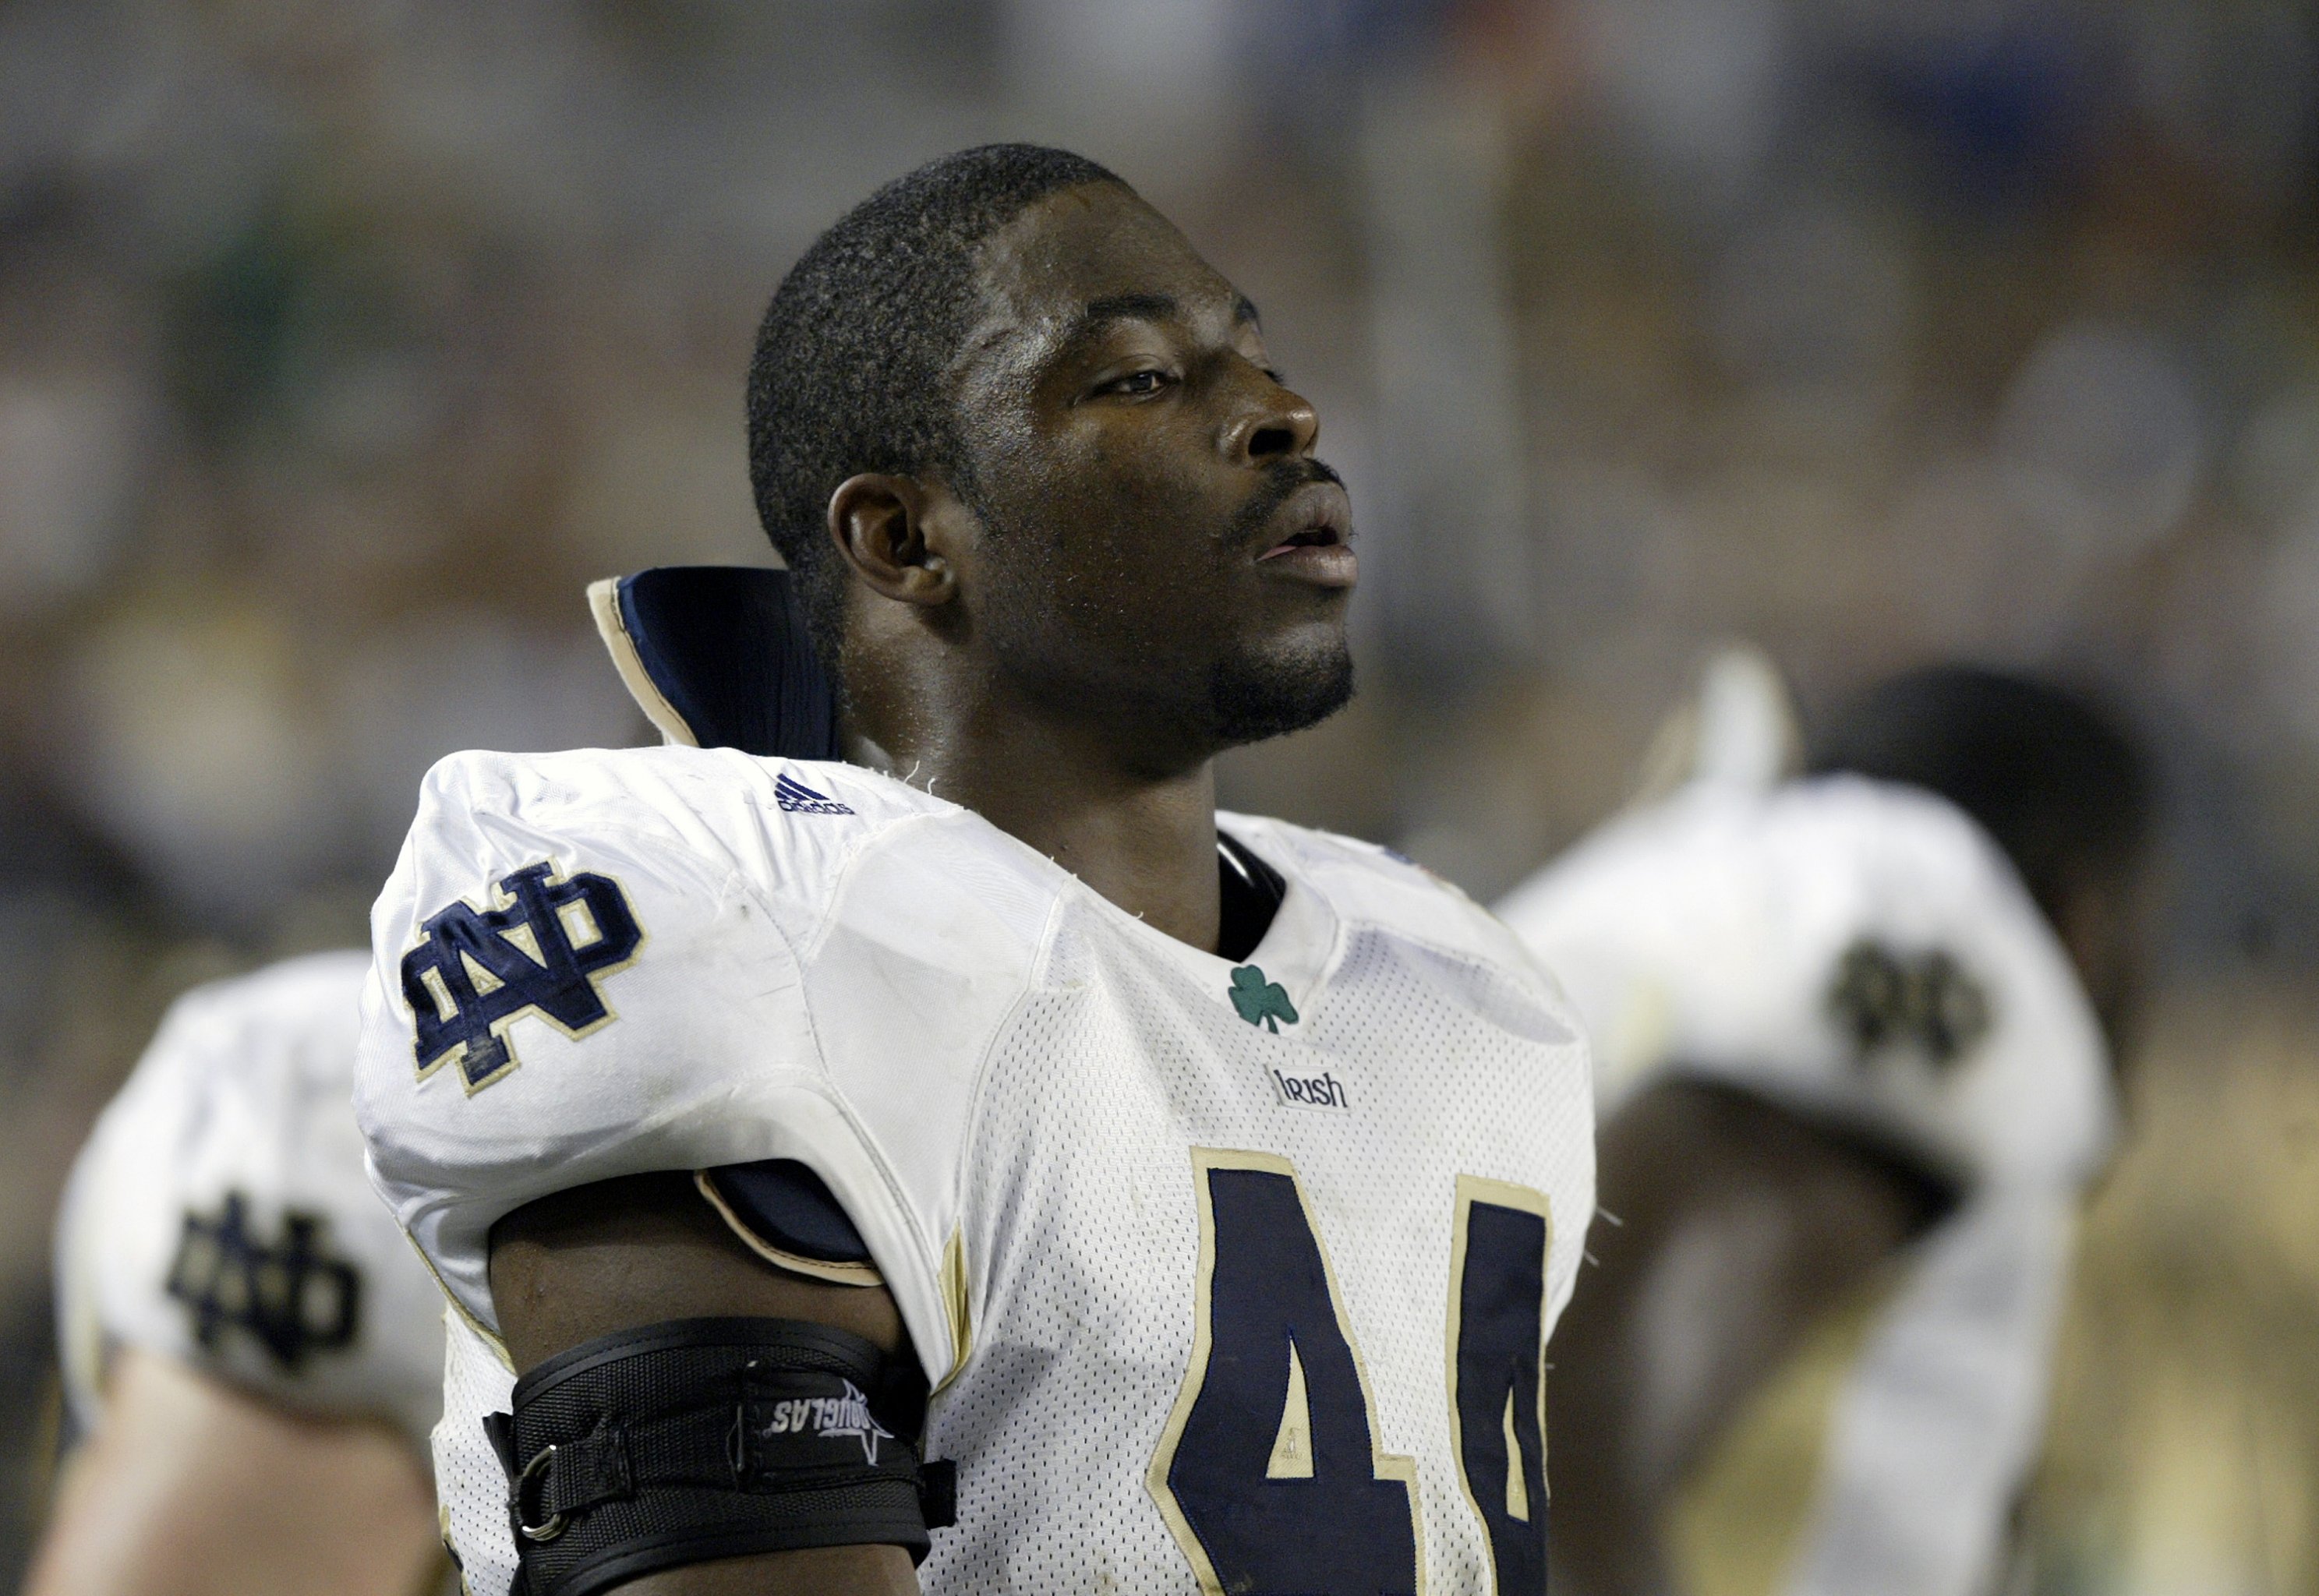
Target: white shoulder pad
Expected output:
[1375,885]
[220,1214]
[1859,949]
[600,963]
[1374,890]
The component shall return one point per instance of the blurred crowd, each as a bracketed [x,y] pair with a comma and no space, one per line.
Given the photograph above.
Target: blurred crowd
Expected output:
[342,341]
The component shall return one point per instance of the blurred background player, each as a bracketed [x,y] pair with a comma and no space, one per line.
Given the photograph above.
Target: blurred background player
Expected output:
[253,1354]
[1857,1033]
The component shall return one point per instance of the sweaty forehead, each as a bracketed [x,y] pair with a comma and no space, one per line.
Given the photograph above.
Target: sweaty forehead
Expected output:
[1092,245]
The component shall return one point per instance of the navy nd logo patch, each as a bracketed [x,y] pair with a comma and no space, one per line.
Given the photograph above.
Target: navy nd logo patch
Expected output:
[540,950]
[1880,999]
[290,1296]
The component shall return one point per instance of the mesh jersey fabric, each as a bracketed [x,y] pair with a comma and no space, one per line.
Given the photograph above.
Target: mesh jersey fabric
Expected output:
[1004,1079]
[235,1126]
[1709,935]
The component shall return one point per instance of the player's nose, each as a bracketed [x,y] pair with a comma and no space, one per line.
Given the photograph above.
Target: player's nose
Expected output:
[1278,423]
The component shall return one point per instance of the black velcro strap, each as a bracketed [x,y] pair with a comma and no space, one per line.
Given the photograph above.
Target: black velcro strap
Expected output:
[713,1437]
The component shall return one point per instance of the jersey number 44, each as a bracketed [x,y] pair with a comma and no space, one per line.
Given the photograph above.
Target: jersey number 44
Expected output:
[1269,1474]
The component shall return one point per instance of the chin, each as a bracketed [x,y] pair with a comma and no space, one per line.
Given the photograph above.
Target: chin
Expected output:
[1255,696]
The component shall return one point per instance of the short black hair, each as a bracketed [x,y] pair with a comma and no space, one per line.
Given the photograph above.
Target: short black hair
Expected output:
[853,359]
[2053,780]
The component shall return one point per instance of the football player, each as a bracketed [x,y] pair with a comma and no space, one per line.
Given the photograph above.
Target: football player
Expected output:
[1220,1179]
[253,1354]
[1856,1071]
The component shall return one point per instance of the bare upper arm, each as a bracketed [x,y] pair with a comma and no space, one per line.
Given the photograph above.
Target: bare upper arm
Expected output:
[190,1486]
[1741,1225]
[648,1248]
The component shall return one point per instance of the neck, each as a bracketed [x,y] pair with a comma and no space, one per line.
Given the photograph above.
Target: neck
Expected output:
[1146,841]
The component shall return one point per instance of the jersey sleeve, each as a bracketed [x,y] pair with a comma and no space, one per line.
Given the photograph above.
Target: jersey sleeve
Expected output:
[586,966]
[1857,951]
[219,1215]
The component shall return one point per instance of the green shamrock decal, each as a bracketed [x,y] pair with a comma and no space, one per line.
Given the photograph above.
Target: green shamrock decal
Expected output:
[1261,1002]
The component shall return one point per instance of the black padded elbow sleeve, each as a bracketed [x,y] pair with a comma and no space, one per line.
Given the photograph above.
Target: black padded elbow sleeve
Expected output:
[703,1439]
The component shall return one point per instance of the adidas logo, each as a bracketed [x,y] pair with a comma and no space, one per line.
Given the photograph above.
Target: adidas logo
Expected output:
[798,799]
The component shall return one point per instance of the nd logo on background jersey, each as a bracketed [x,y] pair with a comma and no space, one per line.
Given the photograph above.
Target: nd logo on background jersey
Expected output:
[291,1296]
[1881,998]
[539,951]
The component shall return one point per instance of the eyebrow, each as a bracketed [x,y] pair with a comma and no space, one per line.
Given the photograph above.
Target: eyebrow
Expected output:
[1145,307]
[1126,307]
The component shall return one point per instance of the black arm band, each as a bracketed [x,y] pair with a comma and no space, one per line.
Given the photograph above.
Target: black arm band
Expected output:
[702,1439]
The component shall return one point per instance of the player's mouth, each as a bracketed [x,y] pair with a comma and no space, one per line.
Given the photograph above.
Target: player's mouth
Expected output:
[1313,541]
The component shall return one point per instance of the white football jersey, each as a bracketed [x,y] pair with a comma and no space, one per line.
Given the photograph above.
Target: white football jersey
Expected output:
[1226,1277]
[221,1216]
[1863,953]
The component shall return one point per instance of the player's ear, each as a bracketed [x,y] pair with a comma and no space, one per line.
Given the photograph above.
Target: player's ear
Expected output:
[897,533]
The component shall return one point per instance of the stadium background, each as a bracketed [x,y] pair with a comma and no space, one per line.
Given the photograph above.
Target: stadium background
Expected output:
[342,341]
